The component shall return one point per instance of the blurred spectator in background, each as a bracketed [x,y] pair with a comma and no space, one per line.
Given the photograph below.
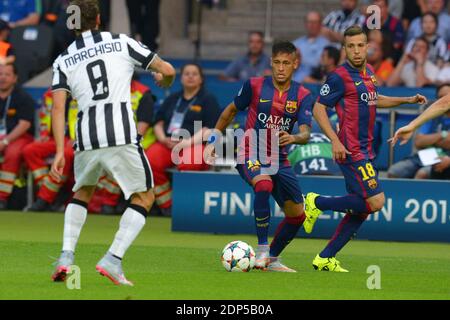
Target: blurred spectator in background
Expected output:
[301,72]
[383,66]
[337,21]
[179,112]
[254,63]
[311,45]
[438,46]
[6,49]
[395,7]
[434,133]
[20,12]
[16,128]
[329,60]
[392,28]
[63,36]
[414,68]
[384,42]
[438,8]
[411,10]
[444,74]
[105,14]
[50,11]
[37,153]
[144,21]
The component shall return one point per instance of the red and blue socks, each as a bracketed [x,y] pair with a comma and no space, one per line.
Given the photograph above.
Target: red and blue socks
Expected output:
[286,231]
[350,203]
[261,207]
[346,229]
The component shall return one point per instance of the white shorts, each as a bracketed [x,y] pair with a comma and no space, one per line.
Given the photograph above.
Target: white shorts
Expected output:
[127,164]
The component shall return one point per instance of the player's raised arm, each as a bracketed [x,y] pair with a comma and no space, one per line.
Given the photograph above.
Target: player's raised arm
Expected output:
[164,72]
[391,102]
[321,116]
[435,110]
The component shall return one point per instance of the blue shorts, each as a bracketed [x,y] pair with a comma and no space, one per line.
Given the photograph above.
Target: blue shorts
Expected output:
[361,178]
[285,183]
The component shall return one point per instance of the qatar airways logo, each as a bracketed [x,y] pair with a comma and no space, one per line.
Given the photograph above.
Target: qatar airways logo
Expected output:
[275,122]
[370,98]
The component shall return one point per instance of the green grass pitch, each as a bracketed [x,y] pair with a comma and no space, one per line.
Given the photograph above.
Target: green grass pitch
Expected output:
[169,265]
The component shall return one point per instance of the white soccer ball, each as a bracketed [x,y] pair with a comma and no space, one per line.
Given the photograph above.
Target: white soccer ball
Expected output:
[238,256]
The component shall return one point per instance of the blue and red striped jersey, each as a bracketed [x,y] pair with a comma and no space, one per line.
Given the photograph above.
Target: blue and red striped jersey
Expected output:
[354,95]
[270,109]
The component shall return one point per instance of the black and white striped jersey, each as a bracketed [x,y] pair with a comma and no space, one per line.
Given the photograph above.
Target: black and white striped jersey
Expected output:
[338,21]
[437,49]
[97,69]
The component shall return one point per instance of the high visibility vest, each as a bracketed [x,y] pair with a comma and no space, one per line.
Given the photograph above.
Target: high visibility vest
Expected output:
[45,114]
[45,122]
[137,92]
[4,47]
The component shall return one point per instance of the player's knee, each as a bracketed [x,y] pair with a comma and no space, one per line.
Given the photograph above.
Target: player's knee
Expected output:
[84,194]
[144,199]
[264,186]
[377,202]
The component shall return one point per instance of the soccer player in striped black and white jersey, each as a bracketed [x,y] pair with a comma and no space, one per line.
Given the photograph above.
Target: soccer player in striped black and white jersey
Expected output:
[96,69]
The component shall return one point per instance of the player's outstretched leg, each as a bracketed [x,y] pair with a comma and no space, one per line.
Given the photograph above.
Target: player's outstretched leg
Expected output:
[74,219]
[131,224]
[357,209]
[261,206]
[286,231]
[315,204]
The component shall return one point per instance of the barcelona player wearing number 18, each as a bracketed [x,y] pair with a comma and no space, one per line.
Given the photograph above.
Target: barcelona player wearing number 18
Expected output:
[352,90]
[274,105]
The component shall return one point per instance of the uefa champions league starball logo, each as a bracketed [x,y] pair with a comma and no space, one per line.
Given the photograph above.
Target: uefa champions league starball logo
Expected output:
[325,90]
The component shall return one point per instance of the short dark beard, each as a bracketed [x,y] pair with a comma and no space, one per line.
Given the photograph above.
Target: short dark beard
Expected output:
[363,62]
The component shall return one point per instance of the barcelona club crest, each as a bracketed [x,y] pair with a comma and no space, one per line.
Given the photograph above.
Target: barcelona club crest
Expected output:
[291,106]
[374,79]
[372,184]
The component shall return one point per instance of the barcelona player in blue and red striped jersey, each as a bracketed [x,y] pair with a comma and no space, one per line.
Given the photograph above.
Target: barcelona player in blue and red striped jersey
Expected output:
[274,105]
[352,90]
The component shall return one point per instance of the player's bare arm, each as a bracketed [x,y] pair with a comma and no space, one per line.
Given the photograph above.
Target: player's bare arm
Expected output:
[321,116]
[225,119]
[58,127]
[164,72]
[435,110]
[301,138]
[391,102]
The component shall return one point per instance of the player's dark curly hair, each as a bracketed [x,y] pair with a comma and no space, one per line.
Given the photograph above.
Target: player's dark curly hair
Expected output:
[283,47]
[89,10]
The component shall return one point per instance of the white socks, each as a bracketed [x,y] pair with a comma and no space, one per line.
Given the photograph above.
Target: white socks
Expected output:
[74,218]
[131,223]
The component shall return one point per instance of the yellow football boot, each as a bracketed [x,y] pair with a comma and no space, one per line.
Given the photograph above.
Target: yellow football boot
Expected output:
[327,264]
